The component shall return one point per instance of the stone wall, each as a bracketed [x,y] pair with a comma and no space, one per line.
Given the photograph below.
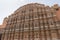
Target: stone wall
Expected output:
[33,21]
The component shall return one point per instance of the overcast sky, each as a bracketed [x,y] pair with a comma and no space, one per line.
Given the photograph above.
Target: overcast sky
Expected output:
[7,7]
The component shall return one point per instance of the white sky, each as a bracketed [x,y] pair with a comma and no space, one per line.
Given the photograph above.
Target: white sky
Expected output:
[7,7]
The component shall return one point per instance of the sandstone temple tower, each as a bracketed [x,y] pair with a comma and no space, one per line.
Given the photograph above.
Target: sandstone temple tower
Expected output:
[33,22]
